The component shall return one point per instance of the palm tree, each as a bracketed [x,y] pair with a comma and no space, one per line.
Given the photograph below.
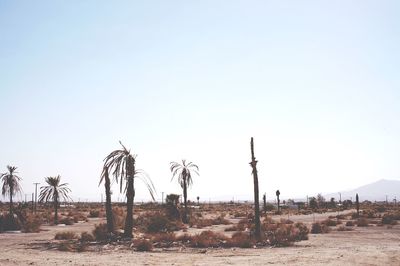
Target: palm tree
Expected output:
[122,165]
[11,184]
[54,191]
[110,223]
[183,171]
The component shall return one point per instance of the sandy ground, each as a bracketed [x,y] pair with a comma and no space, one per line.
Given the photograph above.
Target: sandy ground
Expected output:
[364,246]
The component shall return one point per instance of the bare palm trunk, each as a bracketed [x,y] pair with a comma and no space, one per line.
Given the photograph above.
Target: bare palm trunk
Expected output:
[185,217]
[109,214]
[129,206]
[11,203]
[56,211]
[256,196]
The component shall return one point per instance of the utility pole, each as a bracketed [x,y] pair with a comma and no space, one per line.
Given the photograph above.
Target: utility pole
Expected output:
[32,202]
[162,198]
[36,184]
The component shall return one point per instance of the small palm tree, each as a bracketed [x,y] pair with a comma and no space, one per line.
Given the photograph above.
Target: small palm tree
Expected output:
[184,173]
[121,163]
[278,193]
[54,191]
[11,184]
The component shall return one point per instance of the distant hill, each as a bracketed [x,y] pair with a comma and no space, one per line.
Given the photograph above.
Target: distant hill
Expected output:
[376,191]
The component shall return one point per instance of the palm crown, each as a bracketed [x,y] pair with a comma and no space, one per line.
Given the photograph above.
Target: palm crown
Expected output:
[184,172]
[10,181]
[54,190]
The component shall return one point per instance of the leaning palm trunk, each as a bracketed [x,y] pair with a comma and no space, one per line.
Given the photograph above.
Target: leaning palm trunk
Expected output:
[185,216]
[109,214]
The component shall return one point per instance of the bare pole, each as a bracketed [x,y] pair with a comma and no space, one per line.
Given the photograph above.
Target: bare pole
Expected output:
[36,184]
[253,165]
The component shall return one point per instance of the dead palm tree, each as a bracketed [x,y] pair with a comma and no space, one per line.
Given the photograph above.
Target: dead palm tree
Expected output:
[184,173]
[11,184]
[121,163]
[104,176]
[278,193]
[54,191]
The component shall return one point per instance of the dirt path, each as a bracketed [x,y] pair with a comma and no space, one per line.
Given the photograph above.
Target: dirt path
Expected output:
[364,246]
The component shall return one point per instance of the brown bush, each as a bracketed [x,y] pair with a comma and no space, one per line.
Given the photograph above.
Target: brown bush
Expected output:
[349,223]
[163,237]
[345,228]
[67,220]
[241,240]
[65,246]
[100,232]
[94,213]
[286,234]
[330,222]
[9,223]
[31,224]
[87,237]
[319,228]
[66,235]
[362,222]
[207,239]
[143,245]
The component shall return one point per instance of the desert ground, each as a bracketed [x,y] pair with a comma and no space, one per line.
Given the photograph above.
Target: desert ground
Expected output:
[372,245]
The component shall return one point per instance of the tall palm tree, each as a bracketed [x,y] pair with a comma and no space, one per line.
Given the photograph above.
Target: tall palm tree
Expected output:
[110,223]
[54,191]
[11,184]
[121,163]
[184,173]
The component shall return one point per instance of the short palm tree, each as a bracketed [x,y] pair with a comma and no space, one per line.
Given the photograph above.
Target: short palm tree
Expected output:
[53,192]
[11,184]
[184,173]
[121,163]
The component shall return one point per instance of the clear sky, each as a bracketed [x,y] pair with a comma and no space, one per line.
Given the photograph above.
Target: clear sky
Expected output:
[316,83]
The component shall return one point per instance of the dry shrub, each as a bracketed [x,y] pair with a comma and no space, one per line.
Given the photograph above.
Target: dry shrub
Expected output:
[286,234]
[286,221]
[87,237]
[9,223]
[200,223]
[303,231]
[344,228]
[66,235]
[118,217]
[160,223]
[390,218]
[330,222]
[65,246]
[82,246]
[143,245]
[319,228]
[31,224]
[362,222]
[67,221]
[207,239]
[94,213]
[349,223]
[340,217]
[163,237]
[184,238]
[220,220]
[241,240]
[100,232]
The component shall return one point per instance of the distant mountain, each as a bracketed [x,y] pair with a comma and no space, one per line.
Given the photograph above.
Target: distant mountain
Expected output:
[376,191]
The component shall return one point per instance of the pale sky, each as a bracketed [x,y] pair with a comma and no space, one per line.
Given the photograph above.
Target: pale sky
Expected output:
[316,83]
